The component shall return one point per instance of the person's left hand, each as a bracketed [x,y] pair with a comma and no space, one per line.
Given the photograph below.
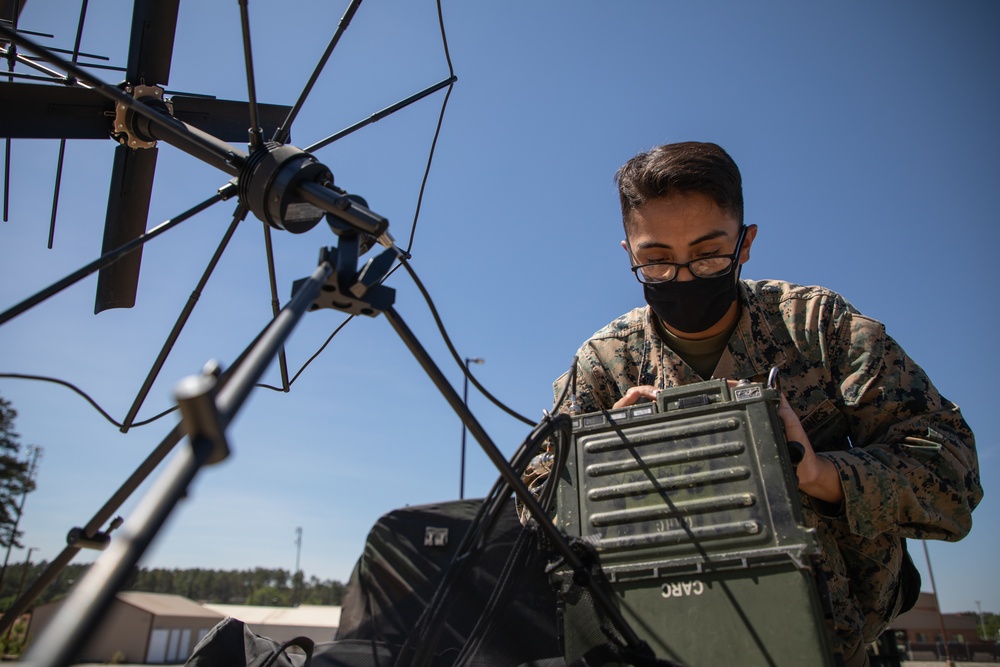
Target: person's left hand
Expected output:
[817,475]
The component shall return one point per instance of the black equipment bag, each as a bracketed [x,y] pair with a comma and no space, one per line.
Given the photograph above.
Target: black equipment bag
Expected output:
[502,603]
[498,610]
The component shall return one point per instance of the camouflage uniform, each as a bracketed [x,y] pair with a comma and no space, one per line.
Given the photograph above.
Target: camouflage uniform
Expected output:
[906,457]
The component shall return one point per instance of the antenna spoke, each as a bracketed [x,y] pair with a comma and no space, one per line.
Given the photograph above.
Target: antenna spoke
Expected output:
[6,179]
[281,135]
[106,259]
[238,216]
[79,32]
[62,142]
[255,133]
[379,115]
[55,192]
[275,305]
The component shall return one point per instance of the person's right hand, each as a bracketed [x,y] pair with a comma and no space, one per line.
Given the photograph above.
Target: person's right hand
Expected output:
[636,394]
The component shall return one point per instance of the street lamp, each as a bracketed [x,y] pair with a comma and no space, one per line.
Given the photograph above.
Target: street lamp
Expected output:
[20,585]
[465,401]
[24,571]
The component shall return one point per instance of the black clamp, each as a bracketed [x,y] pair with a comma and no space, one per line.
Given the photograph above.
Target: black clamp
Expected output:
[99,541]
[348,289]
[200,416]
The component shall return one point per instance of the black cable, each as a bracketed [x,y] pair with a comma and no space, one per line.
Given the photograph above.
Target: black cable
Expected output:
[413,228]
[437,130]
[570,381]
[427,169]
[444,39]
[422,641]
[313,357]
[85,395]
[454,352]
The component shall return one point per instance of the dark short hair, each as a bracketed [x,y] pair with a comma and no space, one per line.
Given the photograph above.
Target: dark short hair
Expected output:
[685,167]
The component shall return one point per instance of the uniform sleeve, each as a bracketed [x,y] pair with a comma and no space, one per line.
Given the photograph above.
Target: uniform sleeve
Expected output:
[591,388]
[913,469]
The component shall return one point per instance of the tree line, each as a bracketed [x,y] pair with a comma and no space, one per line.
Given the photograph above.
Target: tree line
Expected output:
[259,586]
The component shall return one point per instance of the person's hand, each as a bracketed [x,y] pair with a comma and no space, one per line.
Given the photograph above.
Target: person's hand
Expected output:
[817,475]
[636,394]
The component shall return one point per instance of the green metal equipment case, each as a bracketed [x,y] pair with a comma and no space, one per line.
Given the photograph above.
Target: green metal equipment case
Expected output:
[691,503]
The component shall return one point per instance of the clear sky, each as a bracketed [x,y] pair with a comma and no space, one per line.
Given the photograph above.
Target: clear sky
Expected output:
[866,134]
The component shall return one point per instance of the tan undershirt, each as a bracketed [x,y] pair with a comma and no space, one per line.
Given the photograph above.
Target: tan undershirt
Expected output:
[701,355]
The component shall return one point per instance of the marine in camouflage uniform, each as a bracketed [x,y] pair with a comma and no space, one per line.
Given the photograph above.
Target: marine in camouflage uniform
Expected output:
[905,457]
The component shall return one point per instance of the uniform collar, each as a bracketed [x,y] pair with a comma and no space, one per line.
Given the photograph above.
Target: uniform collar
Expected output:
[753,346]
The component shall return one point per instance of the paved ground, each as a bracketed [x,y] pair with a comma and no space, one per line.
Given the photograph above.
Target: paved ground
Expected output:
[906,663]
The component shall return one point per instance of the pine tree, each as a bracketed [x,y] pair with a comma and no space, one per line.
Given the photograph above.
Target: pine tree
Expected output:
[16,476]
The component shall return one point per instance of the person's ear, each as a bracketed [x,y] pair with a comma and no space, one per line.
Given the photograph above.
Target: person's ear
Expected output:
[747,242]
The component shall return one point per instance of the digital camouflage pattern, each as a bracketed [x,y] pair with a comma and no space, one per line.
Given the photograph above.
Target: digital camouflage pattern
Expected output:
[906,457]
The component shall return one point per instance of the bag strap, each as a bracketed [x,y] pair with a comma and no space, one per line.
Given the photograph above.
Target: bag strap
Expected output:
[303,643]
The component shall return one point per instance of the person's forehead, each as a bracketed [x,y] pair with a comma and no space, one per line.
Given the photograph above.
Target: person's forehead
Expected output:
[680,220]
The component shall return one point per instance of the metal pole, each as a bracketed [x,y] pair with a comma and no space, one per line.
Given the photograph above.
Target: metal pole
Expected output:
[205,426]
[557,539]
[20,585]
[27,564]
[937,607]
[298,546]
[296,580]
[465,402]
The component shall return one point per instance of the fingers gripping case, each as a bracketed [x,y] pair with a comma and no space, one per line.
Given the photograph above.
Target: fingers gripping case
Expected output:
[692,506]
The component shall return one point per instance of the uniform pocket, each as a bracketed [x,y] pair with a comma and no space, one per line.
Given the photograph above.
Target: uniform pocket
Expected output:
[827,428]
[873,568]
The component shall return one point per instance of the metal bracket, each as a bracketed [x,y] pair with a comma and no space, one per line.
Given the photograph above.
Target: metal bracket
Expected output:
[352,291]
[126,131]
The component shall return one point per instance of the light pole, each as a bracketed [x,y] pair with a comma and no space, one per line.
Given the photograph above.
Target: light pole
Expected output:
[937,606]
[24,571]
[465,401]
[20,585]
[296,579]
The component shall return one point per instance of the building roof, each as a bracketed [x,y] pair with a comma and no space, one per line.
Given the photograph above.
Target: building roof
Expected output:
[924,616]
[306,615]
[161,604]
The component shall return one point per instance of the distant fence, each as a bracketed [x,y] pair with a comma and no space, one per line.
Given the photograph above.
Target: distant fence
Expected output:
[972,651]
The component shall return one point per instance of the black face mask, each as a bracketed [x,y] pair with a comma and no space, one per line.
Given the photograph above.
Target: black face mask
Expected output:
[693,305]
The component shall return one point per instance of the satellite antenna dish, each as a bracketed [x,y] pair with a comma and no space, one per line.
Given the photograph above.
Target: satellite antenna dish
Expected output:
[65,109]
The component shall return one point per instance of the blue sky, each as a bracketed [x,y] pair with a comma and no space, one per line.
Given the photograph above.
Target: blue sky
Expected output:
[867,138]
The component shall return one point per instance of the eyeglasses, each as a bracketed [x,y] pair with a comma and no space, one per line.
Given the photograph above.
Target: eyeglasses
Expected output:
[703,267]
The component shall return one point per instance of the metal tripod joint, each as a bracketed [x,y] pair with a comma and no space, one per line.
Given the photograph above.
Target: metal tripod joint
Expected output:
[349,290]
[200,415]
[99,541]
